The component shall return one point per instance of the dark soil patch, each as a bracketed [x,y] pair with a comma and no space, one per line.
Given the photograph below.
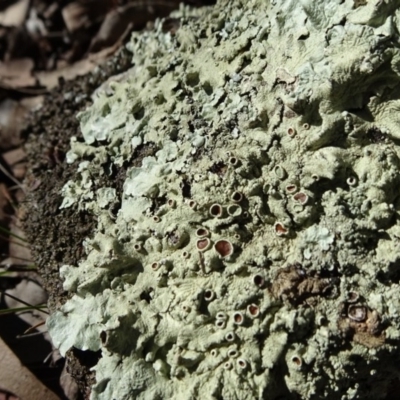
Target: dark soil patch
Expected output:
[56,235]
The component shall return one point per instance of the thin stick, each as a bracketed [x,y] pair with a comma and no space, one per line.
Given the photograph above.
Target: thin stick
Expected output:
[30,335]
[30,329]
[48,357]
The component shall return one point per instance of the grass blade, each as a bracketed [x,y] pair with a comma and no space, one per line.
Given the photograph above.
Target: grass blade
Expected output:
[8,232]
[30,306]
[18,309]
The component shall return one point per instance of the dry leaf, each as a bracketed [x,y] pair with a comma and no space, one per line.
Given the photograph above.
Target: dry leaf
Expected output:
[17,379]
[83,14]
[18,249]
[50,79]
[135,14]
[75,16]
[12,120]
[17,73]
[15,14]
[69,385]
[13,157]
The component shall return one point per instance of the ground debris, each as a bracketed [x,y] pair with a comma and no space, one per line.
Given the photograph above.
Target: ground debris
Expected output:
[361,324]
[294,285]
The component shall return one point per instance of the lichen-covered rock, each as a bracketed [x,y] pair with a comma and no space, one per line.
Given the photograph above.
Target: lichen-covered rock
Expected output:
[254,250]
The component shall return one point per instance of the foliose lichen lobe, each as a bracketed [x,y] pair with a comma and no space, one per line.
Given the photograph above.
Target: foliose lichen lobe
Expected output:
[253,252]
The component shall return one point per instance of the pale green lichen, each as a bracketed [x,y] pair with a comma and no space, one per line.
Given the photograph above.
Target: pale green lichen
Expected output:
[273,128]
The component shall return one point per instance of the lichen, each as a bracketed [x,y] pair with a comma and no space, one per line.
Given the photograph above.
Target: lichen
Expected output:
[253,252]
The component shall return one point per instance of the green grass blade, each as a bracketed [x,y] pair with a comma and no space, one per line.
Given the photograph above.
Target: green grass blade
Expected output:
[24,302]
[8,232]
[18,309]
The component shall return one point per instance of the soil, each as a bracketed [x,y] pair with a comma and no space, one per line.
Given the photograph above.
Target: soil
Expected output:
[55,234]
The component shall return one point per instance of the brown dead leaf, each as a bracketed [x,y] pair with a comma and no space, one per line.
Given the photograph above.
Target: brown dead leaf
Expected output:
[18,249]
[15,14]
[20,196]
[80,15]
[49,79]
[17,73]
[112,28]
[13,157]
[51,10]
[12,120]
[17,379]
[69,385]
[30,103]
[75,16]
[135,14]
[28,291]
[110,50]
[5,395]
[19,170]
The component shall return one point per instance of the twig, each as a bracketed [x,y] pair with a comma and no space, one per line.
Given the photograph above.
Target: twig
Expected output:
[30,335]
[30,329]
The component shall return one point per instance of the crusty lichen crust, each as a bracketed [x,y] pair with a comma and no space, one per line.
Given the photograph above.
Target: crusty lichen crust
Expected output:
[254,253]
